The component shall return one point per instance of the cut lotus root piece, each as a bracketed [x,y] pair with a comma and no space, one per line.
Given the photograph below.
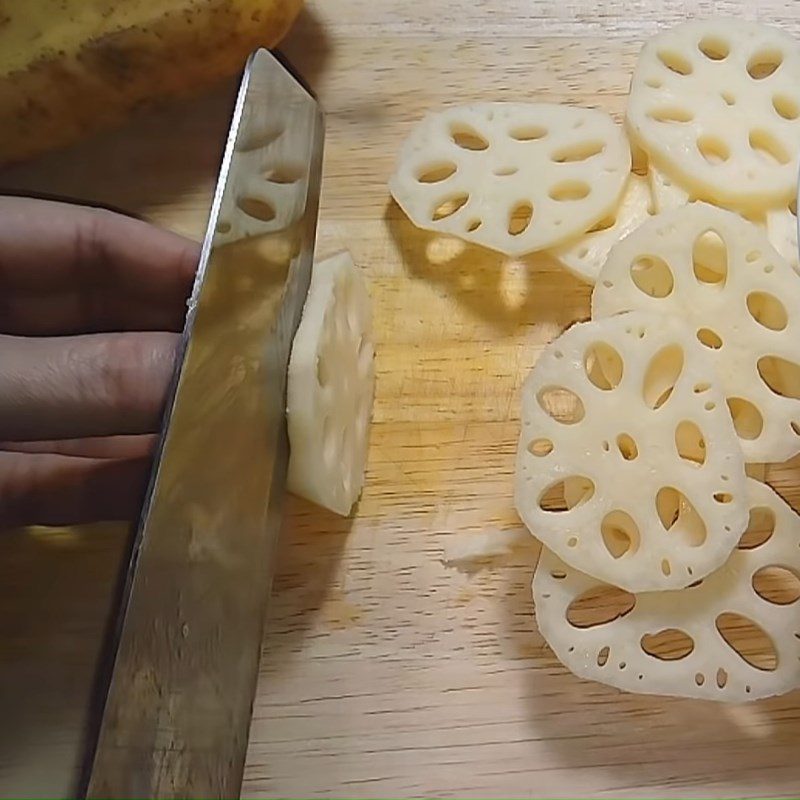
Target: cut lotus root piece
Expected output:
[782,233]
[330,387]
[733,636]
[586,255]
[742,301]
[716,104]
[665,193]
[510,176]
[628,465]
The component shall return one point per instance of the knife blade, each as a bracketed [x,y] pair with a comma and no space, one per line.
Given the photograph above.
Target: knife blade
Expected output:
[175,699]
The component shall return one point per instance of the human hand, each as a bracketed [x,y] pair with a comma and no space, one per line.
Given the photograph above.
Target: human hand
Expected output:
[91,304]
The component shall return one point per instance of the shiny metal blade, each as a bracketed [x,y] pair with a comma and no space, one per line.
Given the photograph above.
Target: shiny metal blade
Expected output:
[184,656]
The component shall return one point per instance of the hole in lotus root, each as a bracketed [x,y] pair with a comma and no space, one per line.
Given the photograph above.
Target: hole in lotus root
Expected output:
[752,256]
[713,149]
[679,517]
[582,151]
[671,114]
[710,258]
[662,374]
[780,375]
[569,190]
[768,147]
[690,442]
[565,494]
[627,447]
[764,63]
[760,528]
[709,338]
[605,224]
[714,48]
[748,640]
[778,585]
[520,218]
[669,644]
[652,275]
[449,206]
[603,365]
[528,133]
[767,310]
[675,62]
[436,173]
[786,106]
[747,419]
[467,138]
[563,405]
[620,533]
[599,605]
[540,447]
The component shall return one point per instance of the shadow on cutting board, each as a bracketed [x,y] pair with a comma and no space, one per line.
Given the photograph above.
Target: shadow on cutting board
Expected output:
[306,582]
[506,292]
[307,47]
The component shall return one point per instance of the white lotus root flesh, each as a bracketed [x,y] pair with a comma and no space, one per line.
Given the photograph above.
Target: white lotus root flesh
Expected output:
[512,177]
[742,300]
[628,465]
[782,233]
[733,636]
[330,387]
[585,256]
[716,105]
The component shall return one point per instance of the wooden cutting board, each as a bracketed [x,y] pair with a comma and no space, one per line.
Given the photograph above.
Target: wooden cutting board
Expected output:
[385,673]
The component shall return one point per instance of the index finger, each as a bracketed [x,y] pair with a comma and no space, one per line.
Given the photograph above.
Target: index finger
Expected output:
[48,246]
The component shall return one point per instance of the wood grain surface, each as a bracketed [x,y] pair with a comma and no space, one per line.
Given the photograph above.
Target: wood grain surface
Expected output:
[385,672]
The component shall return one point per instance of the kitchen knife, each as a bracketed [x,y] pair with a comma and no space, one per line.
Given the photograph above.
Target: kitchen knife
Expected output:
[175,696]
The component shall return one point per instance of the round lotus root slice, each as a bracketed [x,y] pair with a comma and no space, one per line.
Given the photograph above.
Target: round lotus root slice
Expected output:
[732,636]
[585,256]
[716,105]
[742,300]
[512,177]
[628,466]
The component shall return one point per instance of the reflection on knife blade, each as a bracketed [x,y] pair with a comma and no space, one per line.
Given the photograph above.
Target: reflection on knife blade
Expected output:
[182,666]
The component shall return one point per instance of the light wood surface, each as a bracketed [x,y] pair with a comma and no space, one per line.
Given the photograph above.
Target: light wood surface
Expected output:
[386,673]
